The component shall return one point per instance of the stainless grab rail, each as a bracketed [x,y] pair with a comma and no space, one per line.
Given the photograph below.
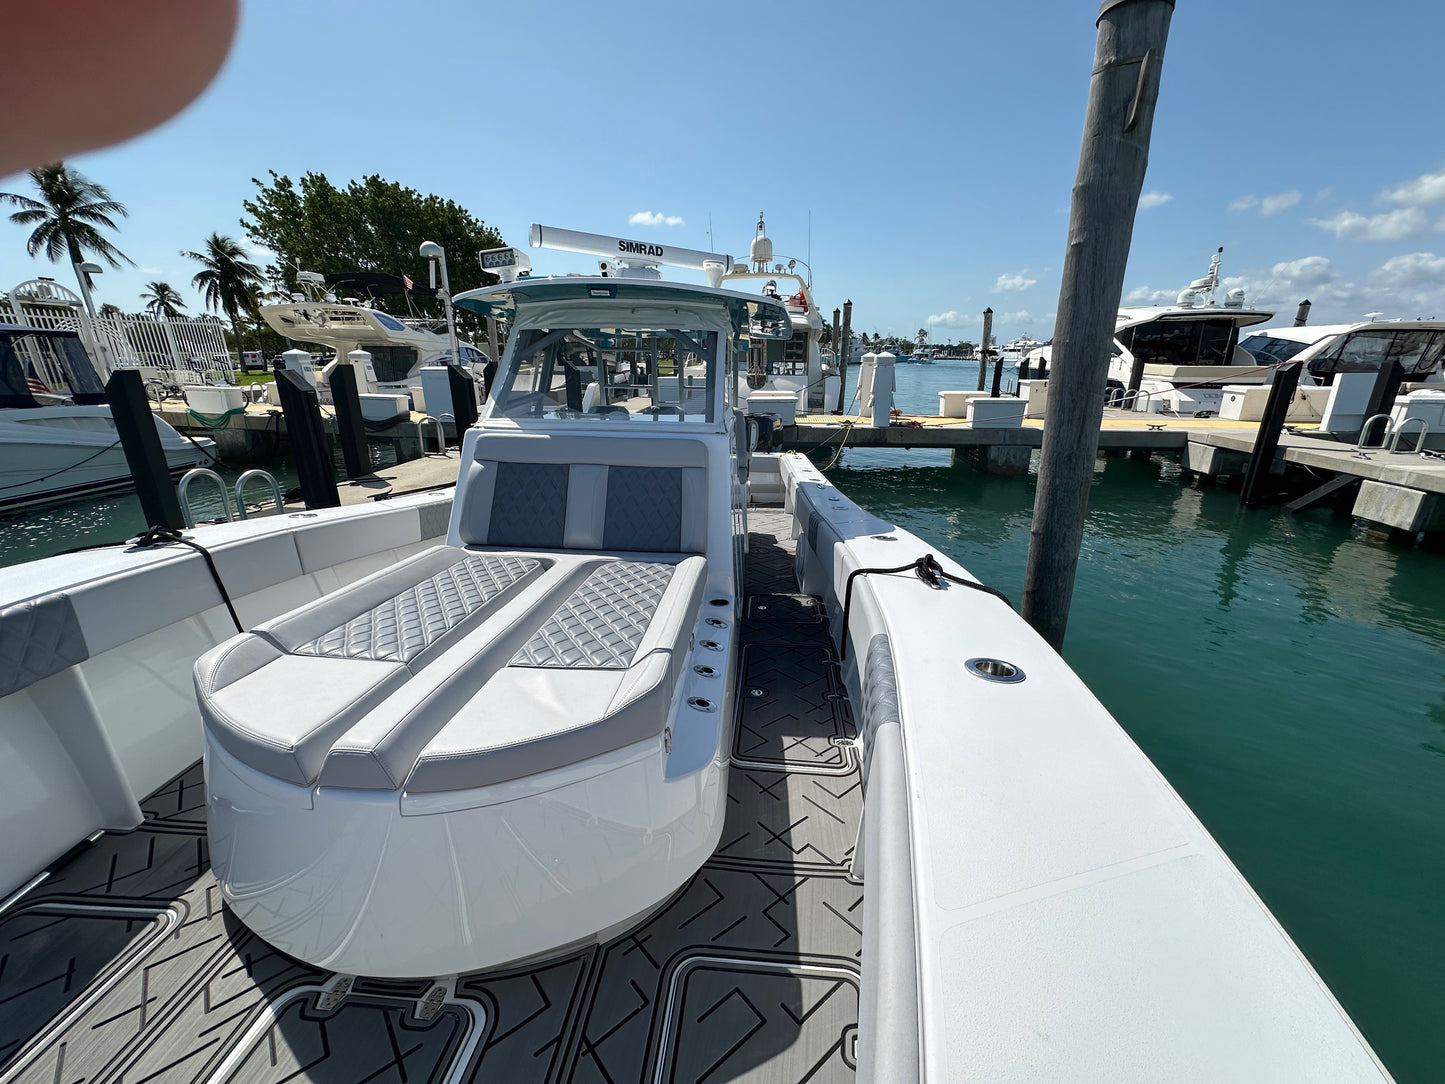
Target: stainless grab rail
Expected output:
[1397,430]
[1365,431]
[257,472]
[421,434]
[183,496]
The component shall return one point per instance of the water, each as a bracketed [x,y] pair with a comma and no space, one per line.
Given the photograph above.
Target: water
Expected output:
[1287,675]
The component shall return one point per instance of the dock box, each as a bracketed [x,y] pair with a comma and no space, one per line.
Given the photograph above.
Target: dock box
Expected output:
[782,403]
[385,408]
[1036,394]
[1001,413]
[954,404]
[214,400]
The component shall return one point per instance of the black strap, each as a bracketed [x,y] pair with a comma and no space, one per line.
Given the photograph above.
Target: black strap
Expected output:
[928,570]
[165,536]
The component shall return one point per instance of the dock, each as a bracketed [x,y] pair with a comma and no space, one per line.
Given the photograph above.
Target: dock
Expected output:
[1401,493]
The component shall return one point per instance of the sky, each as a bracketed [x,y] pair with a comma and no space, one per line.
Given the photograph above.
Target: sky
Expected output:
[919,156]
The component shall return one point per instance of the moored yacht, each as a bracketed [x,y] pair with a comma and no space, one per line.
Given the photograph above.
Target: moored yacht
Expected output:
[795,364]
[58,440]
[1176,359]
[399,348]
[591,769]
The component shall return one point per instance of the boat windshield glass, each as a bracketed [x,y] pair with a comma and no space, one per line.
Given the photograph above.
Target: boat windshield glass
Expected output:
[1417,350]
[609,374]
[51,366]
[1271,351]
[1183,342]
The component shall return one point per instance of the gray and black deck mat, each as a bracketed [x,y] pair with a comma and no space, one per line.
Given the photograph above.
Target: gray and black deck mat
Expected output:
[124,966]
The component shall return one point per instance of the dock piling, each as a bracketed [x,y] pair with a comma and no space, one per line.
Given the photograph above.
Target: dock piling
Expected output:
[841,365]
[1123,91]
[141,442]
[1266,440]
[1382,394]
[350,427]
[847,355]
[1302,314]
[307,436]
[983,347]
[464,397]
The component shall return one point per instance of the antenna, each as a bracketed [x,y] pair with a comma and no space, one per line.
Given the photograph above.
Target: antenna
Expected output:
[710,241]
[810,248]
[640,259]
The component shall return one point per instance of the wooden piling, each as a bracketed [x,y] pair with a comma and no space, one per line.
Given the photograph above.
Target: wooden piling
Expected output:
[983,347]
[847,347]
[1123,91]
[350,425]
[310,450]
[1302,314]
[1266,439]
[135,425]
[839,363]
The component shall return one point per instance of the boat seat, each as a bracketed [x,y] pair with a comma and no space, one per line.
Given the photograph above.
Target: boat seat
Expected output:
[597,675]
[277,698]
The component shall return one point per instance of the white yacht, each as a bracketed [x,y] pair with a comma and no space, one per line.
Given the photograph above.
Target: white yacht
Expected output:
[591,769]
[399,348]
[795,364]
[58,440]
[1015,351]
[1176,359]
[1328,349]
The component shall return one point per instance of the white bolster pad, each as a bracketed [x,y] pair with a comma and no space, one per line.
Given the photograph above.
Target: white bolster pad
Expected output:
[529,720]
[281,717]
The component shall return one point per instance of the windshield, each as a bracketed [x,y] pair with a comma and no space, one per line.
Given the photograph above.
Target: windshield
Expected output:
[1269,350]
[1417,350]
[1182,342]
[610,374]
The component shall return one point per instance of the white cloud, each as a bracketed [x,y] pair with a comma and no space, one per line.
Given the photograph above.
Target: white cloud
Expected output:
[1412,269]
[951,318]
[1023,316]
[654,218]
[1391,226]
[143,269]
[1281,201]
[1010,281]
[1422,191]
[1268,205]
[1154,199]
[1144,295]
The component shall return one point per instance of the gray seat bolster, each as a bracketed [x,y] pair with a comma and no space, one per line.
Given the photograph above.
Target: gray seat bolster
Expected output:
[231,660]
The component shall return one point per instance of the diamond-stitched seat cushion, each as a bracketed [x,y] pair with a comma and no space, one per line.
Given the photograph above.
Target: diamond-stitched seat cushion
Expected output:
[403,626]
[602,622]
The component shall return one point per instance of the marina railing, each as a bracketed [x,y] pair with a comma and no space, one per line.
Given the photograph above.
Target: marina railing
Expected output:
[187,350]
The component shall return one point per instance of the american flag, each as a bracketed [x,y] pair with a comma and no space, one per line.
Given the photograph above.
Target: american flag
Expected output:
[406,281]
[37,387]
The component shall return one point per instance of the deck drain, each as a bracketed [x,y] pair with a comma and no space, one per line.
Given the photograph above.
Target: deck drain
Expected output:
[718,602]
[705,671]
[702,703]
[994,670]
[711,645]
[844,743]
[758,692]
[835,696]
[716,622]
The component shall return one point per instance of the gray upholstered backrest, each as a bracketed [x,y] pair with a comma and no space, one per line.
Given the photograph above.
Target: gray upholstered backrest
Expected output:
[640,501]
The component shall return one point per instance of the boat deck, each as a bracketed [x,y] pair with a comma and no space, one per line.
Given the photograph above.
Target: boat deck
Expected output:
[124,966]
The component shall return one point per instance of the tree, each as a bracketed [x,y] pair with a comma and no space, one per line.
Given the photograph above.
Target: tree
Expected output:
[922,335]
[227,281]
[110,311]
[68,217]
[370,225]
[162,300]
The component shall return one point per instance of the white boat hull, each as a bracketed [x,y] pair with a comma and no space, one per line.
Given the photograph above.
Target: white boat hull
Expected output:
[60,453]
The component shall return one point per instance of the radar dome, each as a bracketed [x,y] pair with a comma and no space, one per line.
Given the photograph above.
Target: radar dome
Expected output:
[762,250]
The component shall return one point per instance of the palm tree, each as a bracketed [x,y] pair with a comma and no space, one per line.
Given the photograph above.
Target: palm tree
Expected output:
[110,311]
[161,300]
[68,217]
[228,280]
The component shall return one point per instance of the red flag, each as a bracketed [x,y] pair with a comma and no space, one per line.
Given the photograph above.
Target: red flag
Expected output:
[406,281]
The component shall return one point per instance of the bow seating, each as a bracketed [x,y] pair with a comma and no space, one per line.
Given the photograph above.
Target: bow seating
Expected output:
[545,645]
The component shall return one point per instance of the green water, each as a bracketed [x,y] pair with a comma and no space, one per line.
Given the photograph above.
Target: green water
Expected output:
[1287,675]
